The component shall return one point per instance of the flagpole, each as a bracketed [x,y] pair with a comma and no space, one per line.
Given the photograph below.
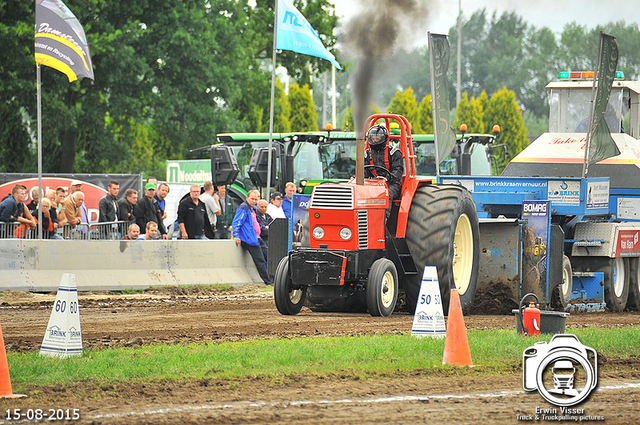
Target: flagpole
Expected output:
[324,100]
[273,87]
[333,97]
[585,166]
[40,192]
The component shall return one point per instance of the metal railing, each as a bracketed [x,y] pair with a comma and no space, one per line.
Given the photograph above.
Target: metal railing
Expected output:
[113,230]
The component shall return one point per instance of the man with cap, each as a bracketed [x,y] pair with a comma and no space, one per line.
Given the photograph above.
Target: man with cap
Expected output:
[147,209]
[383,161]
[76,186]
[274,209]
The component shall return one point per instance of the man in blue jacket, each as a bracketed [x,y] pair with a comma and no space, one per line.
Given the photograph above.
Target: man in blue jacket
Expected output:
[246,233]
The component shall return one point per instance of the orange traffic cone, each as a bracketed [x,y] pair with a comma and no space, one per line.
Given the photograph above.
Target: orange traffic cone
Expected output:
[456,345]
[5,379]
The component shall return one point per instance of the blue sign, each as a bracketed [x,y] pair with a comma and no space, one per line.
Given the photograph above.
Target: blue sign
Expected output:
[299,214]
[535,270]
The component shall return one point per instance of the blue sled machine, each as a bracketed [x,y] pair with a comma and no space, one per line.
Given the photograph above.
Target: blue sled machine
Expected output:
[574,242]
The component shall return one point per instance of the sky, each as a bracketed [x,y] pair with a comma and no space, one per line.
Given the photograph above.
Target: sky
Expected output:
[553,14]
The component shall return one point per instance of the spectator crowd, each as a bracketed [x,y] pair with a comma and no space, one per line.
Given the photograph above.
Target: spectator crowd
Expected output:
[204,213]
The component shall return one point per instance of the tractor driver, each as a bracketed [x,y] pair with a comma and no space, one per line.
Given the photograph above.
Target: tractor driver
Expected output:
[384,162]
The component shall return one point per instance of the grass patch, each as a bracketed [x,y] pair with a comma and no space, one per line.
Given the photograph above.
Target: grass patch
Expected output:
[128,291]
[496,351]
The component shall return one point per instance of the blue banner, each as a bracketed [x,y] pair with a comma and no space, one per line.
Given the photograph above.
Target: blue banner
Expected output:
[296,34]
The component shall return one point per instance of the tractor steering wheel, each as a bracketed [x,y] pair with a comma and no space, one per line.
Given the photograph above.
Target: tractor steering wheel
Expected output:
[380,167]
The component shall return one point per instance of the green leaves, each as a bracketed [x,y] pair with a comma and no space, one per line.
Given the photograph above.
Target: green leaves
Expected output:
[169,77]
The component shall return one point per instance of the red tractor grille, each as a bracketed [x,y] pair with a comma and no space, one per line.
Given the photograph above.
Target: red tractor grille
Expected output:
[363,225]
[332,197]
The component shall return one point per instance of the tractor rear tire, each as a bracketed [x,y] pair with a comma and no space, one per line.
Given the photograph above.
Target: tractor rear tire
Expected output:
[288,301]
[562,293]
[443,231]
[382,288]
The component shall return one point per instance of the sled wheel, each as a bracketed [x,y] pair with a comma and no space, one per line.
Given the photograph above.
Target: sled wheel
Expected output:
[562,293]
[633,302]
[616,284]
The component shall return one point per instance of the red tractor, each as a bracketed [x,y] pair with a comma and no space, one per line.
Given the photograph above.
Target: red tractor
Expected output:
[354,253]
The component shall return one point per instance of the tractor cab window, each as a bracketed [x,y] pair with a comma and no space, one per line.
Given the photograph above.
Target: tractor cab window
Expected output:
[570,107]
[426,161]
[339,159]
[243,152]
[306,162]
[480,160]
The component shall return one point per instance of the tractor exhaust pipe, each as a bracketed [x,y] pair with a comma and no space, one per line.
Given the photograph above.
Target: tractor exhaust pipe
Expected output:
[360,162]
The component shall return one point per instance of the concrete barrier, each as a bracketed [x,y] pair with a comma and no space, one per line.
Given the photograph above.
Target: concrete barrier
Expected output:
[38,265]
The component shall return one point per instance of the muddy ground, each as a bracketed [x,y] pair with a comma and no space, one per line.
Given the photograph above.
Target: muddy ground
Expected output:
[179,315]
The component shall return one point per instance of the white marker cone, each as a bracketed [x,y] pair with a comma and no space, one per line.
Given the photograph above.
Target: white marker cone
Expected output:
[429,318]
[63,337]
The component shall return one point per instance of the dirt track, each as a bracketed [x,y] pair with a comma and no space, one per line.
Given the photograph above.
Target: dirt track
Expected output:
[179,316]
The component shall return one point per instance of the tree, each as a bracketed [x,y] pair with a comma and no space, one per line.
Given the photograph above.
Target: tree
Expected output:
[425,115]
[470,112]
[282,111]
[404,103]
[166,80]
[347,120]
[483,100]
[303,115]
[504,111]
[19,156]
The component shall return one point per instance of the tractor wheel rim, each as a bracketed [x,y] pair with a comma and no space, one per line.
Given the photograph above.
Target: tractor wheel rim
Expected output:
[295,295]
[387,289]
[618,276]
[462,254]
[564,288]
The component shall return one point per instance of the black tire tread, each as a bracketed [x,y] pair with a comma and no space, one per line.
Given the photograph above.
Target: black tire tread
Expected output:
[281,289]
[430,232]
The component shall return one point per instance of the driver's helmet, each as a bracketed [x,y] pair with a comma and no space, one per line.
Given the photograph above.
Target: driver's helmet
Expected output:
[378,135]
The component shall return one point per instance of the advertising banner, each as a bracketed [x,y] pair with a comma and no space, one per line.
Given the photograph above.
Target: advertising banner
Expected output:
[94,186]
[535,243]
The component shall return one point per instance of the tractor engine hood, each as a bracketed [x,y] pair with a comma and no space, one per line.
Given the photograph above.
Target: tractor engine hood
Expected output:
[562,155]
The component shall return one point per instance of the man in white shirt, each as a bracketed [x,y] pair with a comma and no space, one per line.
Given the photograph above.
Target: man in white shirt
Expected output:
[213,209]
[274,209]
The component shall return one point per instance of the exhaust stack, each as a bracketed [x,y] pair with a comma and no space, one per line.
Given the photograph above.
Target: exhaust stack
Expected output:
[360,162]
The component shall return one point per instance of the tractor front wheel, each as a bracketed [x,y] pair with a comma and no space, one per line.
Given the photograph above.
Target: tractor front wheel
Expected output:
[289,301]
[443,231]
[382,288]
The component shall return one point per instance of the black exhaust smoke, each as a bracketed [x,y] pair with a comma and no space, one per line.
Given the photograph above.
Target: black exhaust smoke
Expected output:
[379,29]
